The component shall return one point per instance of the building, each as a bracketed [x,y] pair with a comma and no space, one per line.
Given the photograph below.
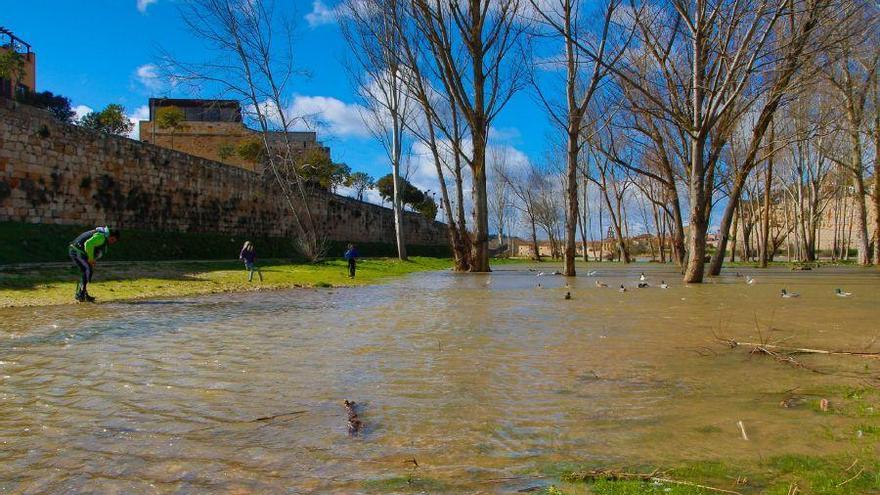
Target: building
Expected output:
[26,82]
[525,250]
[214,129]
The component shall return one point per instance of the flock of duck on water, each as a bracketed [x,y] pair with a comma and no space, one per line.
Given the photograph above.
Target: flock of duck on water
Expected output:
[643,284]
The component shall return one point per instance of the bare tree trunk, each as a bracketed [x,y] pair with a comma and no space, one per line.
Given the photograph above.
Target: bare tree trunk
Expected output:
[765,221]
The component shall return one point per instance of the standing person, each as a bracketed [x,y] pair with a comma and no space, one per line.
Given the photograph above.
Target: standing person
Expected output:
[85,251]
[249,256]
[351,255]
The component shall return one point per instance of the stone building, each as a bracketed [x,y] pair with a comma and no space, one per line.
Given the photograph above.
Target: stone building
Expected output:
[213,129]
[27,82]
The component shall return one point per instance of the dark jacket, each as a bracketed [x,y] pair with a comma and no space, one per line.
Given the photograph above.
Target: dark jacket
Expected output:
[248,256]
[352,254]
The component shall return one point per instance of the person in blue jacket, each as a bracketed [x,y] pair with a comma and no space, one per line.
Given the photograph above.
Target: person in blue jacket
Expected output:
[351,255]
[85,251]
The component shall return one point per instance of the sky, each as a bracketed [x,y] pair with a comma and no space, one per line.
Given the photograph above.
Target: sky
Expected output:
[98,52]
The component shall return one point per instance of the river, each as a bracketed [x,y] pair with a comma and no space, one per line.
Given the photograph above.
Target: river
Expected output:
[483,380]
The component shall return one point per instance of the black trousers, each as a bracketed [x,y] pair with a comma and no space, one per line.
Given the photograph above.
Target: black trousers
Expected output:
[85,269]
[351,267]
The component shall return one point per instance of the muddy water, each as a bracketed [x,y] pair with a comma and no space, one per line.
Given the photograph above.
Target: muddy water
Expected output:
[476,382]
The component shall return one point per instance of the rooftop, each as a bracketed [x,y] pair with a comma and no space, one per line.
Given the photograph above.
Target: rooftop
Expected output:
[8,39]
[198,110]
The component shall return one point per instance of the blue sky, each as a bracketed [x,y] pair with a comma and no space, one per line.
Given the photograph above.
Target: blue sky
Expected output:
[98,52]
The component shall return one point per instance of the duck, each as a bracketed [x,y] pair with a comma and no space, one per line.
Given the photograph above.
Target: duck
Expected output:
[789,295]
[841,293]
[557,272]
[643,285]
[592,273]
[539,286]
[622,288]
[663,284]
[567,285]
[540,274]
[567,296]
[600,284]
[642,277]
[750,280]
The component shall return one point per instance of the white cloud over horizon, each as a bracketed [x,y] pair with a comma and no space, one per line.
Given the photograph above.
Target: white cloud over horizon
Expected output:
[81,111]
[141,113]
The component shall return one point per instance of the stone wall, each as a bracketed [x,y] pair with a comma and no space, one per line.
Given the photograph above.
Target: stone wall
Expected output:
[53,173]
[202,139]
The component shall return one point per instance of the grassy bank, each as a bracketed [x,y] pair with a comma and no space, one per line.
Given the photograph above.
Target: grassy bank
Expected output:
[115,281]
[857,473]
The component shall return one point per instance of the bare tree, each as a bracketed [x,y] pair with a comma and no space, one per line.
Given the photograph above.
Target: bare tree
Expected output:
[372,30]
[570,22]
[473,46]
[250,57]
[526,186]
[499,191]
[852,74]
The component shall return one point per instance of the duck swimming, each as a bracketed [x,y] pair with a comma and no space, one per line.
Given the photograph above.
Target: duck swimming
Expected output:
[622,288]
[592,273]
[663,284]
[841,293]
[567,296]
[643,285]
[789,295]
[601,284]
[642,277]
[750,280]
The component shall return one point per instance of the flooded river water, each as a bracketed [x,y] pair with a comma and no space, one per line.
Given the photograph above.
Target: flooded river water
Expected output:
[479,378]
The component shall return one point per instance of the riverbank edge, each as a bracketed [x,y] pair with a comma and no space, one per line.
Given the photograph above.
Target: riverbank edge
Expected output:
[53,284]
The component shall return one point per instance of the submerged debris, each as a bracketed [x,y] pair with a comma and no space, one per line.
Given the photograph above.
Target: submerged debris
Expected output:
[354,422]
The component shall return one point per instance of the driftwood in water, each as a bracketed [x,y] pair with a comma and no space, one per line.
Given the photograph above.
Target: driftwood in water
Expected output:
[274,416]
[800,350]
[354,422]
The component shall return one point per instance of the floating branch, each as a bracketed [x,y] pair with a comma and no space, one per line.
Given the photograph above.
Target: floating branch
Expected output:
[801,350]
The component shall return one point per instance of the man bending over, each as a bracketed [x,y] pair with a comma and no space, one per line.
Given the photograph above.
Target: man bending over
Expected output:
[85,250]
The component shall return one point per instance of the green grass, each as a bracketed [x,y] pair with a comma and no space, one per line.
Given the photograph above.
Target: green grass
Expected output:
[406,484]
[856,473]
[45,285]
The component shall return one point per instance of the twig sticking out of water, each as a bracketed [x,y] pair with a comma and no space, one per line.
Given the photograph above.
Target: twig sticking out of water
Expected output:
[354,422]
[742,429]
[767,349]
[801,350]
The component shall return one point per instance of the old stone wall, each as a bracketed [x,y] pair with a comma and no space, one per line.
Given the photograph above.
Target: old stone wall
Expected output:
[53,173]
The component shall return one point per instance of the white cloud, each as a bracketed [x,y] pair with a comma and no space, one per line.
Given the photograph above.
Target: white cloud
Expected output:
[81,111]
[141,113]
[336,117]
[321,14]
[329,116]
[143,4]
[148,76]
